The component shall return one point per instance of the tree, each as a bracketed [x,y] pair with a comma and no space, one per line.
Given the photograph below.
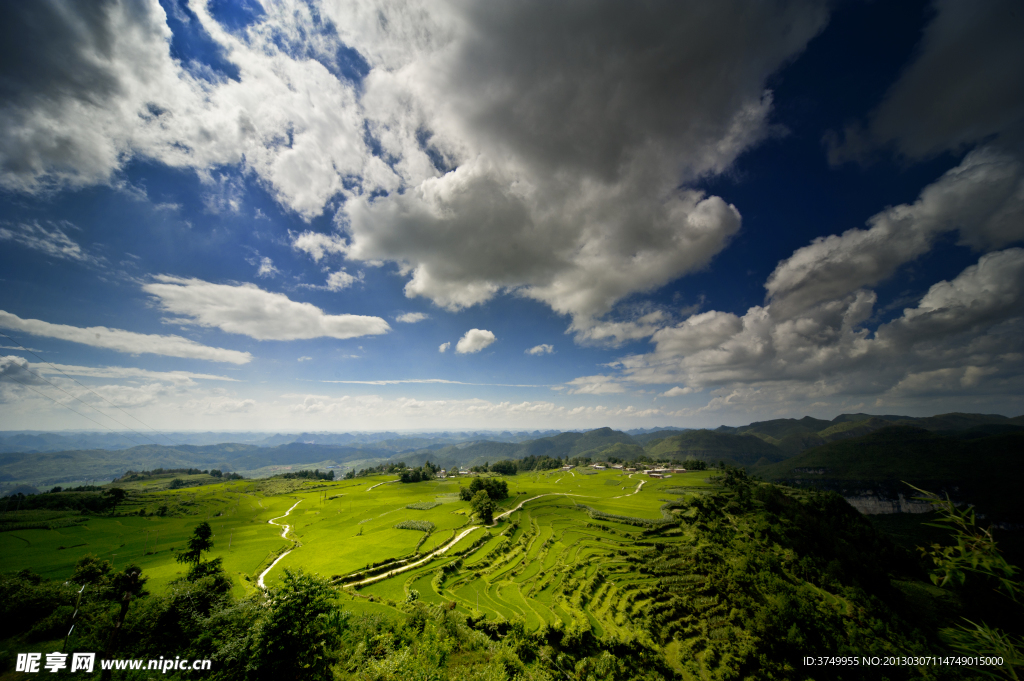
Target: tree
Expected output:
[124,586]
[483,506]
[199,543]
[116,495]
[496,489]
[505,467]
[299,637]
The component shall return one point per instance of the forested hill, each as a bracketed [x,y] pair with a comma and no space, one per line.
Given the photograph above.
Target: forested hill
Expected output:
[972,465]
[755,446]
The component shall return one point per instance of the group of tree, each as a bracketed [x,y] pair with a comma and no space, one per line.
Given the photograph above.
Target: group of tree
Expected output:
[427,471]
[512,467]
[314,474]
[380,469]
[133,476]
[496,489]
[84,499]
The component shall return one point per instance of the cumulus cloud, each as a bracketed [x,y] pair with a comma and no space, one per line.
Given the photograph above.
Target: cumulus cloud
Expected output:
[124,341]
[548,141]
[563,133]
[336,281]
[88,88]
[962,88]
[249,310]
[677,391]
[964,333]
[812,339]
[982,296]
[267,268]
[983,198]
[443,347]
[52,241]
[474,340]
[317,245]
[542,349]
[17,370]
[411,317]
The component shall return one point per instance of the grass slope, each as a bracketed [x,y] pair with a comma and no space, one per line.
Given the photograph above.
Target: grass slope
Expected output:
[985,470]
[712,446]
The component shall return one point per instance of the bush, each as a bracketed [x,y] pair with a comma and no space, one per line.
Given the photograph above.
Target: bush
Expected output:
[423,505]
[418,525]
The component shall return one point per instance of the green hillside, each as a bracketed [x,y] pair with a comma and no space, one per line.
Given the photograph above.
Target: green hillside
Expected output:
[987,471]
[779,428]
[712,447]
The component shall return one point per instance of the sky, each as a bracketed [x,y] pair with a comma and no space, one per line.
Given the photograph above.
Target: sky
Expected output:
[320,215]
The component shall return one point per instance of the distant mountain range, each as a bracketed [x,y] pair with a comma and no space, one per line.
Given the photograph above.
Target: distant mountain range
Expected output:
[964,454]
[43,441]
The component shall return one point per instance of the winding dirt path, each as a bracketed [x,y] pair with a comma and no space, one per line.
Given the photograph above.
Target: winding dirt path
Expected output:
[636,491]
[421,561]
[386,482]
[284,535]
[453,542]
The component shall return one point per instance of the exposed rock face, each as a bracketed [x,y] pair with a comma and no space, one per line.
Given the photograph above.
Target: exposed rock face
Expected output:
[871,503]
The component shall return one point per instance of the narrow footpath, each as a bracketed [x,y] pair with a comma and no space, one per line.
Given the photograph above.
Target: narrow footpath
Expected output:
[284,535]
[636,491]
[453,542]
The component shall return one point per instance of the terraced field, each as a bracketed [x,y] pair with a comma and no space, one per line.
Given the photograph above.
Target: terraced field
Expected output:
[562,548]
[567,557]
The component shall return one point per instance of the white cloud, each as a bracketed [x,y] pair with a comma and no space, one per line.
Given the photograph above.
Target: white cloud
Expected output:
[304,359]
[677,391]
[443,347]
[248,310]
[542,349]
[411,317]
[595,385]
[267,268]
[289,120]
[983,198]
[545,141]
[336,281]
[964,334]
[125,372]
[124,341]
[980,297]
[474,340]
[17,370]
[318,245]
[54,241]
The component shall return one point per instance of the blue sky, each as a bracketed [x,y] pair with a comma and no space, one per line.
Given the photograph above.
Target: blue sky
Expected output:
[412,215]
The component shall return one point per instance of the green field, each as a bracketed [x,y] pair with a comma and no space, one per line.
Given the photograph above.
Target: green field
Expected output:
[343,527]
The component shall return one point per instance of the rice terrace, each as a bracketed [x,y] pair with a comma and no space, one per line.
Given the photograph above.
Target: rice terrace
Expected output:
[568,542]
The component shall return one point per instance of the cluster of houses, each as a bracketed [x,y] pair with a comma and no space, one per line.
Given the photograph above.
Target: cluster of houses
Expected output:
[451,473]
[656,472]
